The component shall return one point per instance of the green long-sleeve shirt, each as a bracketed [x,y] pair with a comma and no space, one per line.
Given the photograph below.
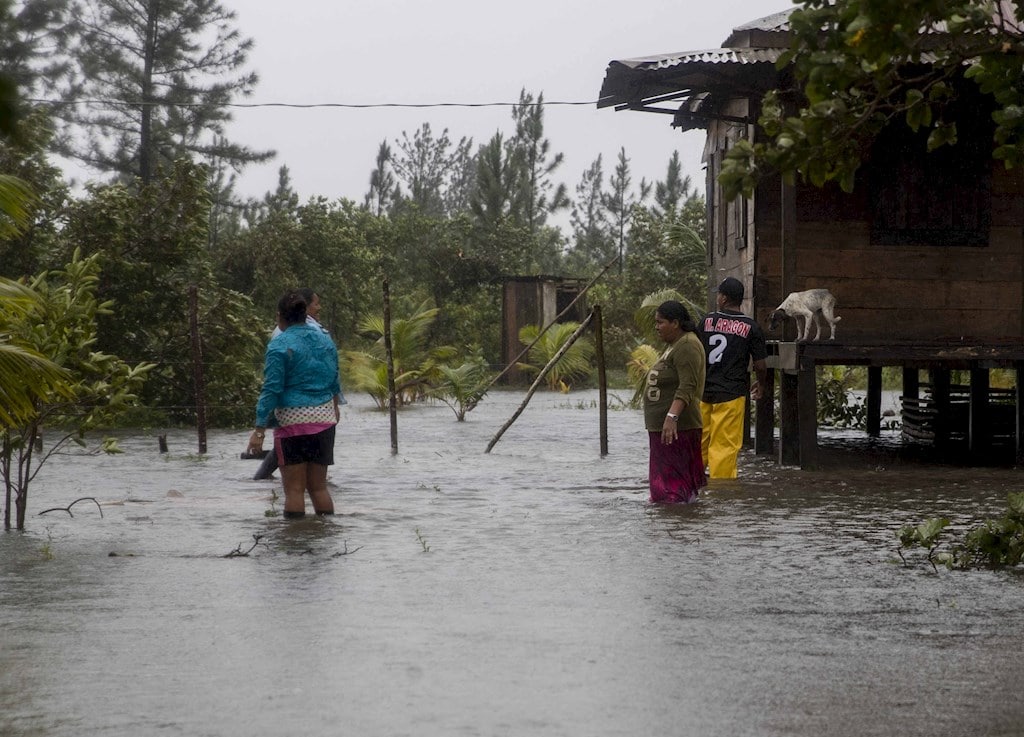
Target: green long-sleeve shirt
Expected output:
[678,374]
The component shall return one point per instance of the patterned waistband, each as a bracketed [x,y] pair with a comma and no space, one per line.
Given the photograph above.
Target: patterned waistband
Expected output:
[321,413]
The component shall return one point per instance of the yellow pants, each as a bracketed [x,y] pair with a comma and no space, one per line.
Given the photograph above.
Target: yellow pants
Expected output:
[723,436]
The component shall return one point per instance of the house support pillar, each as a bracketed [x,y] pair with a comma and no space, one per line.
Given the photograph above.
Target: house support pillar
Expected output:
[798,415]
[911,383]
[940,380]
[789,420]
[874,419]
[764,423]
[1019,430]
[979,429]
[807,401]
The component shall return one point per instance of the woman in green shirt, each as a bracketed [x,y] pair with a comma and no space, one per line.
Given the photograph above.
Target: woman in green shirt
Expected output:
[672,408]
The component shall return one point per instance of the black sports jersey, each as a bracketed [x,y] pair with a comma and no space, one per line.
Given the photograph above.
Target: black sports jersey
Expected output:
[731,340]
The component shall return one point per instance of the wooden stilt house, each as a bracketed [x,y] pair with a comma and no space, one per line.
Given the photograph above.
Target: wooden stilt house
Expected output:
[925,256]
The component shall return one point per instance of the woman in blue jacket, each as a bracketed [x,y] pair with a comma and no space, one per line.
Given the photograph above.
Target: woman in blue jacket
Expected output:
[300,401]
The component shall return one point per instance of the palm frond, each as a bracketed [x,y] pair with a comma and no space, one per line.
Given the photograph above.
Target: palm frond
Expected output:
[641,361]
[575,363]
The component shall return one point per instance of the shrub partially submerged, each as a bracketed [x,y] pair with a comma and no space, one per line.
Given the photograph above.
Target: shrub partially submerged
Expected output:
[995,543]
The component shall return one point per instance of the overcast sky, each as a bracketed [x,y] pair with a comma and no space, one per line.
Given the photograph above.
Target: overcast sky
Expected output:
[462,51]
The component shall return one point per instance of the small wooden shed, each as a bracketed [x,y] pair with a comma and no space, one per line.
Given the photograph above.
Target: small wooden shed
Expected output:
[535,300]
[925,256]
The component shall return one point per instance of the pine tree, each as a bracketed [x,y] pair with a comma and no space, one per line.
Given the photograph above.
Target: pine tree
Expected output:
[425,165]
[674,189]
[33,54]
[158,75]
[531,152]
[620,201]
[461,179]
[491,199]
[383,187]
[592,242]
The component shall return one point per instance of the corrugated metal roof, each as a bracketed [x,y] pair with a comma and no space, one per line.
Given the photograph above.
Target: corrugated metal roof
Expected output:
[643,82]
[776,22]
[707,56]
[744,66]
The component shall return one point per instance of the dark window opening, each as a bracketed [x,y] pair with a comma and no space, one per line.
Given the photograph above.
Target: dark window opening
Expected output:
[942,198]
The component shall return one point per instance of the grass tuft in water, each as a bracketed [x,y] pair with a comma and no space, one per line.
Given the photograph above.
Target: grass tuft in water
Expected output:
[422,541]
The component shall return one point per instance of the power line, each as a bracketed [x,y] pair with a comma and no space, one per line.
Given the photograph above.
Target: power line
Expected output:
[309,105]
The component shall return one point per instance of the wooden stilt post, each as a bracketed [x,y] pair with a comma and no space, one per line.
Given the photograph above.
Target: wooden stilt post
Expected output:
[979,429]
[874,419]
[807,403]
[789,421]
[748,435]
[1019,395]
[940,380]
[764,435]
[911,383]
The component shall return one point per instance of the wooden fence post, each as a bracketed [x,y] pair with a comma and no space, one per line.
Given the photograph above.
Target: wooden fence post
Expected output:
[198,377]
[390,362]
[602,378]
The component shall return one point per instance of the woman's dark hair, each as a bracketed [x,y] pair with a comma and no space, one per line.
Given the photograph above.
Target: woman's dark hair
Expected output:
[674,311]
[292,307]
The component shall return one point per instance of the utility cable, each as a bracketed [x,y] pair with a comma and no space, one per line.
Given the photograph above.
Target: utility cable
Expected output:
[349,105]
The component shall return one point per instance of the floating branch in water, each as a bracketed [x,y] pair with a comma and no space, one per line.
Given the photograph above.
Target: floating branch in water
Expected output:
[346,551]
[68,507]
[239,553]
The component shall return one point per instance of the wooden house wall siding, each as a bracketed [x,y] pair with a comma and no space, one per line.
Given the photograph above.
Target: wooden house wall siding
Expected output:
[730,224]
[898,293]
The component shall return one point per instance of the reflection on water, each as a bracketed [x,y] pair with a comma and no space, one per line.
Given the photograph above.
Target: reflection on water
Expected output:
[532,590]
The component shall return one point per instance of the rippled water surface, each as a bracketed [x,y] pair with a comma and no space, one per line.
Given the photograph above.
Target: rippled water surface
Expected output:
[529,591]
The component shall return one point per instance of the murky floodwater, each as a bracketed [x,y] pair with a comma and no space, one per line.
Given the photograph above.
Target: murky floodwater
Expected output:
[529,591]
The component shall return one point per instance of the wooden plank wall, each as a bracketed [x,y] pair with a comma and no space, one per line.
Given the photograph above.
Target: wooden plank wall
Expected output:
[730,224]
[898,293]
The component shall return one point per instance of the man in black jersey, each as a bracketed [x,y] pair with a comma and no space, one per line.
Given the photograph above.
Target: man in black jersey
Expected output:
[731,341]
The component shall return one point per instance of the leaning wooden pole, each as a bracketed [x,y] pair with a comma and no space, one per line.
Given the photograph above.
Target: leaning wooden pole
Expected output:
[554,320]
[198,377]
[540,377]
[390,363]
[602,378]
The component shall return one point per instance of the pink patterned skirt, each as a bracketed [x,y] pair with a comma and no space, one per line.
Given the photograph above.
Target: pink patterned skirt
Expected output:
[677,469]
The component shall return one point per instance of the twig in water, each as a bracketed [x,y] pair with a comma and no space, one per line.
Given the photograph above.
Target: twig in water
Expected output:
[346,551]
[68,507]
[239,553]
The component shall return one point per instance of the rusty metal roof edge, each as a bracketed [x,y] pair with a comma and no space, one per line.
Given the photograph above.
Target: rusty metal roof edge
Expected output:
[776,22]
[738,55]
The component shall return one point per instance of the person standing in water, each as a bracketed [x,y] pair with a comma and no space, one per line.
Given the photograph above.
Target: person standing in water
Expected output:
[672,408]
[733,343]
[269,463]
[300,399]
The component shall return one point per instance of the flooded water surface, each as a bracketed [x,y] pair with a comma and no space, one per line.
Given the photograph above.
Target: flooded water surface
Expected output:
[529,591]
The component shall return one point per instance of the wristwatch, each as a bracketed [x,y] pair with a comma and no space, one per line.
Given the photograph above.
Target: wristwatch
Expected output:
[672,416]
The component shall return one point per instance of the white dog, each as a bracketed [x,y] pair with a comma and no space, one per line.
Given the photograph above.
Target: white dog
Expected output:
[807,306]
